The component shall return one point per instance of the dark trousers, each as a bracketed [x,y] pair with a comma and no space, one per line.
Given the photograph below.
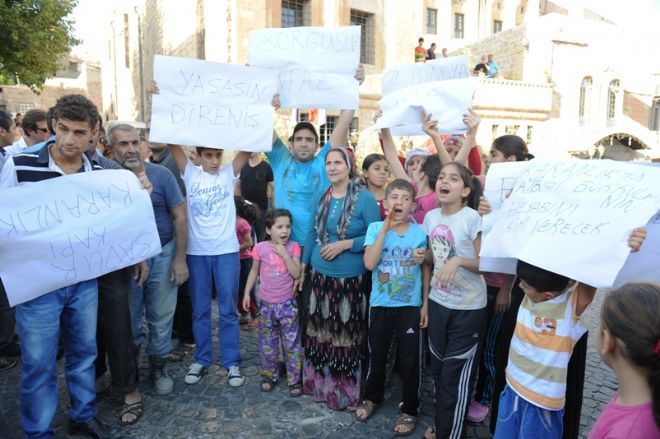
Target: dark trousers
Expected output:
[7,319]
[183,315]
[574,373]
[113,335]
[488,349]
[453,342]
[403,324]
[246,266]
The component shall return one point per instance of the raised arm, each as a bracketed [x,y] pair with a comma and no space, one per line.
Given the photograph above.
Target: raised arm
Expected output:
[339,136]
[430,127]
[179,157]
[239,161]
[472,120]
[389,150]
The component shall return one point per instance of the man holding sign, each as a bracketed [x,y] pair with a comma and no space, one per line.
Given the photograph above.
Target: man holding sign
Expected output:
[72,309]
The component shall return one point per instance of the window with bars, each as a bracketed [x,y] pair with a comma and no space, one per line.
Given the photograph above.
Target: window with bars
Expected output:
[494,130]
[459,22]
[530,130]
[497,26]
[327,128]
[24,107]
[295,13]
[612,94]
[585,99]
[654,119]
[367,37]
[303,116]
[512,129]
[431,21]
[127,55]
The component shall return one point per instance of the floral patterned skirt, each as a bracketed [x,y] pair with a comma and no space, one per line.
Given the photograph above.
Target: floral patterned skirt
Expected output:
[335,339]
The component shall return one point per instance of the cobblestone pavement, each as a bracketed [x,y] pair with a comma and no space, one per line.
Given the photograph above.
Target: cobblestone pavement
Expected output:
[213,409]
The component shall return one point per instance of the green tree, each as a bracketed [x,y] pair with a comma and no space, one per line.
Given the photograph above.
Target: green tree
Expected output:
[35,35]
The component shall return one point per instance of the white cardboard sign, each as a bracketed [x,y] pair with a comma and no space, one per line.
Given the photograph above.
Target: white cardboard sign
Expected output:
[443,69]
[212,104]
[574,217]
[58,232]
[316,65]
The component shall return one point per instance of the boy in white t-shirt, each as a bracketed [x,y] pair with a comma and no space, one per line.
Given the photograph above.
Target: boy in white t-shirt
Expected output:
[212,255]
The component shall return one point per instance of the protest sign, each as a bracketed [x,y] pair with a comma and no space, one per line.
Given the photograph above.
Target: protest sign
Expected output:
[211,104]
[499,182]
[398,77]
[316,65]
[574,217]
[447,102]
[644,266]
[66,230]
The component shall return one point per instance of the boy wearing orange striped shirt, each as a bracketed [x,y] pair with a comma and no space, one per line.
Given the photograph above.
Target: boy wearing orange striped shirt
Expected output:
[551,319]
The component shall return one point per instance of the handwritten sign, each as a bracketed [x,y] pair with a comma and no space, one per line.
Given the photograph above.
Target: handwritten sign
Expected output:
[210,104]
[447,101]
[644,266]
[574,217]
[316,65]
[398,77]
[499,183]
[66,230]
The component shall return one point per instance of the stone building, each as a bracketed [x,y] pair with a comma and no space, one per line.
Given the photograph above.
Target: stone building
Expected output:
[561,88]
[75,76]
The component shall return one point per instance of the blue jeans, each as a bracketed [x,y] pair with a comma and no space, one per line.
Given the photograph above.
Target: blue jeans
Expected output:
[518,418]
[157,297]
[73,311]
[224,271]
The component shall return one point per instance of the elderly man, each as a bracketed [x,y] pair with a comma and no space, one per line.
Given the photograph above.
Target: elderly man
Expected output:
[157,296]
[71,310]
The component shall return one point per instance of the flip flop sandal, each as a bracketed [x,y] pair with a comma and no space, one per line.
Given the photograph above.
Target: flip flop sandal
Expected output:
[134,409]
[369,408]
[296,390]
[406,420]
[267,385]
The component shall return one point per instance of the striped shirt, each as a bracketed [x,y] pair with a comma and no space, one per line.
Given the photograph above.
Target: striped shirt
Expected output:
[541,347]
[30,168]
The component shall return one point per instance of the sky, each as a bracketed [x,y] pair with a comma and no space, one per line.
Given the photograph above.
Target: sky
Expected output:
[90,18]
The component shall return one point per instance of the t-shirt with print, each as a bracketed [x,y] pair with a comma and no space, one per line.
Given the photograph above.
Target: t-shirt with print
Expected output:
[276,283]
[453,236]
[165,196]
[296,184]
[211,211]
[397,279]
[423,205]
[243,228]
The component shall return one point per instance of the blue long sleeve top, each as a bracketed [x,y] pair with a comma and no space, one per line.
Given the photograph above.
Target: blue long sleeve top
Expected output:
[349,263]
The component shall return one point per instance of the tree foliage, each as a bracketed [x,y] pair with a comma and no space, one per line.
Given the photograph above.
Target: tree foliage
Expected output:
[35,35]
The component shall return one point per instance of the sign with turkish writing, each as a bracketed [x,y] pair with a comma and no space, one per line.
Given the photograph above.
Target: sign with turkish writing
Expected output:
[442,69]
[316,65]
[58,232]
[574,217]
[210,104]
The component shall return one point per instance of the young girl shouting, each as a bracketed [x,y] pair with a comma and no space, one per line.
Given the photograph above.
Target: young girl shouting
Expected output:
[457,298]
[277,263]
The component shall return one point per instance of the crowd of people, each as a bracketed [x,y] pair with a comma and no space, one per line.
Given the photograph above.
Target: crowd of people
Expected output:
[343,274]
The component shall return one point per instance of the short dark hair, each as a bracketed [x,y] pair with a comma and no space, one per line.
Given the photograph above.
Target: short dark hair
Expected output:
[76,107]
[541,280]
[201,149]
[402,184]
[421,40]
[49,119]
[5,120]
[305,126]
[31,118]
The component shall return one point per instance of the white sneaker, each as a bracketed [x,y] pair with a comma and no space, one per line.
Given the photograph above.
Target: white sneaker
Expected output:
[235,376]
[195,373]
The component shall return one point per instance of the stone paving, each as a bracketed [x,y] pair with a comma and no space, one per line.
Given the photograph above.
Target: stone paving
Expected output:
[213,409]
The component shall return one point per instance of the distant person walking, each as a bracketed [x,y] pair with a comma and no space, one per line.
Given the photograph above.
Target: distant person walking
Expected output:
[420,52]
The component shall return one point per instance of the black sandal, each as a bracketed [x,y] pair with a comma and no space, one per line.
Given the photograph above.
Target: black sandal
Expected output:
[134,409]
[296,390]
[267,385]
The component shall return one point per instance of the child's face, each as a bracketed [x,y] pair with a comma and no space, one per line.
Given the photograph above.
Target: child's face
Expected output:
[450,187]
[211,159]
[413,165]
[401,201]
[281,230]
[534,294]
[378,173]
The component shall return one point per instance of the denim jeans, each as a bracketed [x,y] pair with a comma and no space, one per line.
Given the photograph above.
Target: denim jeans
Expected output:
[223,270]
[157,298]
[73,311]
[518,418]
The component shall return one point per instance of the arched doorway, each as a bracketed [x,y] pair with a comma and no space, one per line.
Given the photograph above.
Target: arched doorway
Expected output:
[620,146]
